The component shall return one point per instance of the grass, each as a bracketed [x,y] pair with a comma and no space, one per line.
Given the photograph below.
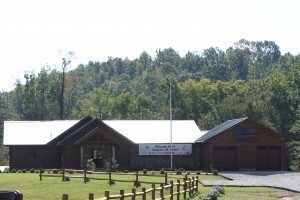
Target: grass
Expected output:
[53,188]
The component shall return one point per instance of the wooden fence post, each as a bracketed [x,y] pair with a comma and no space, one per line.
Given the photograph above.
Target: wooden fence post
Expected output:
[63,174]
[166,178]
[136,179]
[84,178]
[171,190]
[133,194]
[193,184]
[41,174]
[109,177]
[107,195]
[162,191]
[65,197]
[144,193]
[153,192]
[197,183]
[184,188]
[178,189]
[189,187]
[122,194]
[91,196]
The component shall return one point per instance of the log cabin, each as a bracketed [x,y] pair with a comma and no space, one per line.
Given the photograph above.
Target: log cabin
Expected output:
[238,144]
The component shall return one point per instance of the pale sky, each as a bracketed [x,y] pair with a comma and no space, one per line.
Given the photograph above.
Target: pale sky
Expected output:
[32,32]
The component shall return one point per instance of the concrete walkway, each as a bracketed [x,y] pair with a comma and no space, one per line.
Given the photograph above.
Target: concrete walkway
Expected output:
[276,179]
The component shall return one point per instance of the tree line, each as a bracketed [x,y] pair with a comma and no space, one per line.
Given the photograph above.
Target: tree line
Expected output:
[250,79]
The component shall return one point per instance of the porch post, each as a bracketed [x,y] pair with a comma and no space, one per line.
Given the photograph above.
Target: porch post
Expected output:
[81,156]
[113,151]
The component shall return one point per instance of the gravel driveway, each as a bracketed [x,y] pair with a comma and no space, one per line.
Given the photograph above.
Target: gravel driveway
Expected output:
[277,179]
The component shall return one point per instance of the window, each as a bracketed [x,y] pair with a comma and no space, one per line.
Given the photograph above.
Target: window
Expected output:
[247,134]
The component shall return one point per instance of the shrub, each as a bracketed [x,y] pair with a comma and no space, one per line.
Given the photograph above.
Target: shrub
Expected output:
[0,171]
[67,178]
[198,172]
[178,172]
[32,170]
[215,172]
[19,171]
[220,189]
[213,195]
[90,165]
[125,171]
[111,182]
[162,171]
[24,170]
[55,171]
[71,172]
[13,171]
[136,183]
[87,179]
[145,171]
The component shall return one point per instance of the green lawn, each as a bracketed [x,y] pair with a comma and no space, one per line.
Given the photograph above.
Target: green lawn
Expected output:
[51,188]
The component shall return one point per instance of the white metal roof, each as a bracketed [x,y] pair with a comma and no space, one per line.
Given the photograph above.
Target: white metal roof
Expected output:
[138,131]
[33,132]
[157,131]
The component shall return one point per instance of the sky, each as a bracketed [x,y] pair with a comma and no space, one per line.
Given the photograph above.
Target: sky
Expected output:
[37,33]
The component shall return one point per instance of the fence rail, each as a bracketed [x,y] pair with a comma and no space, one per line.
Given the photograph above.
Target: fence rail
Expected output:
[187,187]
[83,174]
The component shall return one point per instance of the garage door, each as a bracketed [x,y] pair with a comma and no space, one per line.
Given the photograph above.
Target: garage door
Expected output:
[268,158]
[225,158]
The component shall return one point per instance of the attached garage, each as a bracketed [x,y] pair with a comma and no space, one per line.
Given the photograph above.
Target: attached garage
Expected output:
[242,144]
[225,158]
[268,158]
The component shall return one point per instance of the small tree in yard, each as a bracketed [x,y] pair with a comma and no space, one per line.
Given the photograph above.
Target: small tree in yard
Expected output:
[114,165]
[90,165]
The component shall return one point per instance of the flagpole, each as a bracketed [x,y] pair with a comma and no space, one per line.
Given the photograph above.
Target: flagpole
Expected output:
[171,127]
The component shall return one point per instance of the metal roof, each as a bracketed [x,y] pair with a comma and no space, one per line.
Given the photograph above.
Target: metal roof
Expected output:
[157,131]
[220,128]
[138,131]
[33,132]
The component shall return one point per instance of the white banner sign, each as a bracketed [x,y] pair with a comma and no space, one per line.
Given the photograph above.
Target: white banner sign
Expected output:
[165,149]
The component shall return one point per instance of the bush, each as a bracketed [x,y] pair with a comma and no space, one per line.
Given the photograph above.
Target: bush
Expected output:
[214,194]
[90,165]
[178,172]
[55,171]
[32,170]
[136,183]
[19,171]
[162,171]
[111,182]
[215,172]
[24,170]
[67,178]
[198,172]
[14,171]
[145,171]
[125,171]
[220,189]
[87,179]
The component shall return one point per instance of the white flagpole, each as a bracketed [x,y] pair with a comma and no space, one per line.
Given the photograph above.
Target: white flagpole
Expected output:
[171,127]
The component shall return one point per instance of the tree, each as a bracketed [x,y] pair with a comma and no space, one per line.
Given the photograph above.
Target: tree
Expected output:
[65,63]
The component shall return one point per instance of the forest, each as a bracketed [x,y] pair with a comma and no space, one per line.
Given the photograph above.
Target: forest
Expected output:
[250,79]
